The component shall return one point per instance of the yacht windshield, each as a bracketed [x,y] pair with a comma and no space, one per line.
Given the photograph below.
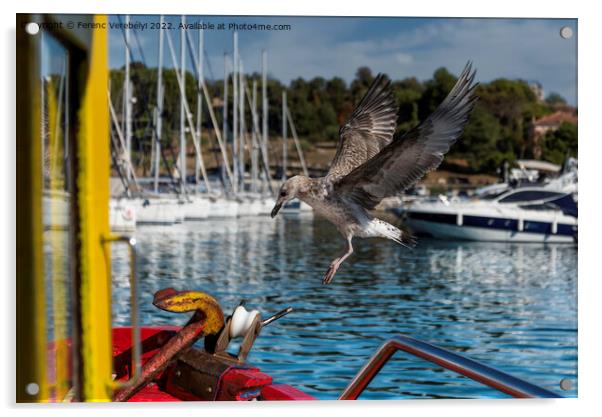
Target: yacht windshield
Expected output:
[529,195]
[492,196]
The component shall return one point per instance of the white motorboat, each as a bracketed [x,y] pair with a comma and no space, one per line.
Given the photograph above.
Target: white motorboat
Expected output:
[507,212]
[524,214]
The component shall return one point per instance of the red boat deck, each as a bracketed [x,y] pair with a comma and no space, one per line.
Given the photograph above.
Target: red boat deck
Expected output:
[236,383]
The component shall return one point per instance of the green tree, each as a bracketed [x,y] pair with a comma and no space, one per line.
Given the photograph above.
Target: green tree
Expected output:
[498,129]
[479,141]
[407,95]
[560,144]
[361,83]
[435,92]
[555,99]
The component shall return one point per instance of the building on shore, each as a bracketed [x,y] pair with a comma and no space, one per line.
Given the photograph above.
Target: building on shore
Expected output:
[549,123]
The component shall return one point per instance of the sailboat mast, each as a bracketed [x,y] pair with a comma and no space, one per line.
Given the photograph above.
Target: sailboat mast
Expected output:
[159,109]
[284,136]
[241,123]
[235,113]
[182,110]
[188,114]
[254,172]
[264,104]
[225,105]
[128,96]
[297,143]
[199,104]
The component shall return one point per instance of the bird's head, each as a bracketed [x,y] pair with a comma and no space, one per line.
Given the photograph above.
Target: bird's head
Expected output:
[289,190]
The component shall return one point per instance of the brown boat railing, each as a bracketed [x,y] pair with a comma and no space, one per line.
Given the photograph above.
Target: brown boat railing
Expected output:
[472,369]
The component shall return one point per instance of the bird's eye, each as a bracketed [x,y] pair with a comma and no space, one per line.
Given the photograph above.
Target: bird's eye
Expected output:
[283,194]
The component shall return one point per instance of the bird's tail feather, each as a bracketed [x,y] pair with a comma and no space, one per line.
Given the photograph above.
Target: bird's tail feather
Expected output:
[399,235]
[407,238]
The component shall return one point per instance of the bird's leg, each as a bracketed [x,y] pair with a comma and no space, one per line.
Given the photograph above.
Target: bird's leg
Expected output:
[334,265]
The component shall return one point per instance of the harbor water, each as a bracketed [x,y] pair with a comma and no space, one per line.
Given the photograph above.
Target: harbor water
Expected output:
[511,306]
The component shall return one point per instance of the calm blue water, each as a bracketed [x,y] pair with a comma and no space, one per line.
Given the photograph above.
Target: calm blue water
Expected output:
[512,306]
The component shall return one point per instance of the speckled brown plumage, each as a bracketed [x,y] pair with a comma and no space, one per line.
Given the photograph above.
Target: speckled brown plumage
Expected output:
[369,129]
[371,164]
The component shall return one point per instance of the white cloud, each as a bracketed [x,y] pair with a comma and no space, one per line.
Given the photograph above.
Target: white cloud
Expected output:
[404,58]
[526,49]
[530,49]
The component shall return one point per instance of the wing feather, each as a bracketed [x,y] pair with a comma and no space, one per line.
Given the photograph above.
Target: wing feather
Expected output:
[369,129]
[408,158]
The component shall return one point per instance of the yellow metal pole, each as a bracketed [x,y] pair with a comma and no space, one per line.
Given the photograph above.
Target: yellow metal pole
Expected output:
[31,314]
[93,203]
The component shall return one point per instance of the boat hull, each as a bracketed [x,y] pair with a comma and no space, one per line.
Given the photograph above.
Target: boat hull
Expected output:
[455,232]
[489,221]
[222,208]
[57,216]
[249,208]
[122,216]
[197,209]
[158,211]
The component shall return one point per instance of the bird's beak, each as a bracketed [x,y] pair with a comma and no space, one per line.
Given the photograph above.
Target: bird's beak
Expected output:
[276,208]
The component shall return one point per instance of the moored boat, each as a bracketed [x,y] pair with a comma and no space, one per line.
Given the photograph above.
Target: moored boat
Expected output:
[56,206]
[122,215]
[221,207]
[158,210]
[526,214]
[512,211]
[197,208]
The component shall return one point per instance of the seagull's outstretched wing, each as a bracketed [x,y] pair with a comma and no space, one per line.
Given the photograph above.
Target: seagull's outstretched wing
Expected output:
[369,129]
[408,158]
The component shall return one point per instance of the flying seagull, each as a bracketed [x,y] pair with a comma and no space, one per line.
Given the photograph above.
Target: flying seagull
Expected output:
[371,164]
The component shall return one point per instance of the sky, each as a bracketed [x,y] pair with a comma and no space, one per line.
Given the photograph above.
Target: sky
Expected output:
[528,49]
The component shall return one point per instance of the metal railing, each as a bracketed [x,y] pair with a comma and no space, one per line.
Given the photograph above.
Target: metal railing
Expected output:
[474,370]
[134,309]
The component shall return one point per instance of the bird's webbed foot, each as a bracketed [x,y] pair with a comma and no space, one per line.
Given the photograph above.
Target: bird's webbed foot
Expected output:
[334,265]
[332,270]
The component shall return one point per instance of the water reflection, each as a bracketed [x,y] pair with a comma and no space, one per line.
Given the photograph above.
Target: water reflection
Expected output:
[511,306]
